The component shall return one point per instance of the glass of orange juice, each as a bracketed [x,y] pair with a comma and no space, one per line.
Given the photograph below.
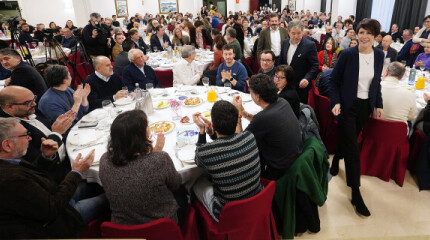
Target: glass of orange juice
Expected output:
[420,82]
[212,95]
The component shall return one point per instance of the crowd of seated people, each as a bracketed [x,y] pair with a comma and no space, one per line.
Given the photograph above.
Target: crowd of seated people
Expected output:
[37,112]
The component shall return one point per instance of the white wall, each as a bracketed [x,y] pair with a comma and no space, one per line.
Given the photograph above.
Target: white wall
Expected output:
[312,5]
[242,6]
[343,8]
[45,11]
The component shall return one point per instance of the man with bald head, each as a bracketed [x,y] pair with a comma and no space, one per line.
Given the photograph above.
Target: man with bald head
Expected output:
[105,84]
[19,102]
[389,52]
[138,72]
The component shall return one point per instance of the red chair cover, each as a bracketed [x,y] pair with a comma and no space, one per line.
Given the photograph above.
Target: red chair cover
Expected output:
[321,42]
[244,219]
[328,125]
[160,229]
[219,27]
[255,65]
[311,96]
[384,149]
[83,69]
[416,143]
[94,230]
[165,77]
[189,229]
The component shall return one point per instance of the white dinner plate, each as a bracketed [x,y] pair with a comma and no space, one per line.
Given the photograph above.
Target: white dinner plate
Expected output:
[172,126]
[186,153]
[194,105]
[123,101]
[161,104]
[95,115]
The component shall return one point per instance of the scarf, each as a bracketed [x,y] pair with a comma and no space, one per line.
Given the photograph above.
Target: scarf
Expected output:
[333,59]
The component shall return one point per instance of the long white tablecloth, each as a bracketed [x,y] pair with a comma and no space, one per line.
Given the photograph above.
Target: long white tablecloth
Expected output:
[189,172]
[159,60]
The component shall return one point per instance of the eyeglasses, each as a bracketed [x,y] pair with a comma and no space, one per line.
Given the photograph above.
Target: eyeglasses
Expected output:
[279,77]
[266,60]
[26,103]
[428,21]
[26,135]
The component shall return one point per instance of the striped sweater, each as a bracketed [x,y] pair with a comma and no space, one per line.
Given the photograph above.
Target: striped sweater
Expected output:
[233,164]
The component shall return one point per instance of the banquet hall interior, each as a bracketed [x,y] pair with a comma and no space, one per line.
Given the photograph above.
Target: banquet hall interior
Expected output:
[174,95]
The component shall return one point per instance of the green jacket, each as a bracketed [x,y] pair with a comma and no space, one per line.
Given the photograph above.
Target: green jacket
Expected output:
[309,175]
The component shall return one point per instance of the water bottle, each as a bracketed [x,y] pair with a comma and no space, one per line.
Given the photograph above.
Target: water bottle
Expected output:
[412,74]
[138,92]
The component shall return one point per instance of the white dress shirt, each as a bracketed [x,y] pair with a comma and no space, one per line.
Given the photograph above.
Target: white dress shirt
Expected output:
[399,103]
[275,39]
[291,50]
[106,79]
[185,72]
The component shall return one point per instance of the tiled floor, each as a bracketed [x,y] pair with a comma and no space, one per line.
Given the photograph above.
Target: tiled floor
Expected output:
[396,211]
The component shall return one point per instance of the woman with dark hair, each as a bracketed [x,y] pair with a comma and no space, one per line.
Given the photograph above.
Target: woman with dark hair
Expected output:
[69,25]
[422,36]
[353,43]
[355,93]
[218,59]
[130,25]
[327,58]
[3,27]
[52,25]
[284,77]
[138,179]
[199,36]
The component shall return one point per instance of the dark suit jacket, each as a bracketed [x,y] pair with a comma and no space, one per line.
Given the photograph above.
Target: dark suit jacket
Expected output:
[404,54]
[142,46]
[304,62]
[56,169]
[120,62]
[25,75]
[26,37]
[33,206]
[265,42]
[396,36]
[391,53]
[344,80]
[292,98]
[132,75]
[156,43]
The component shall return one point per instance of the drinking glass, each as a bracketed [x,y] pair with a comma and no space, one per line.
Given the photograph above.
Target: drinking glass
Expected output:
[108,106]
[404,62]
[149,86]
[126,89]
[155,49]
[205,81]
[227,84]
[422,67]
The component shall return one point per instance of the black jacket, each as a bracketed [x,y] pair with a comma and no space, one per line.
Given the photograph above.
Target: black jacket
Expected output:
[25,75]
[142,45]
[25,37]
[156,43]
[95,46]
[391,53]
[120,62]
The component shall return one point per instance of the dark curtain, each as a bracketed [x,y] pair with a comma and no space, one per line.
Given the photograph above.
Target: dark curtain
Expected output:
[408,13]
[364,10]
[323,3]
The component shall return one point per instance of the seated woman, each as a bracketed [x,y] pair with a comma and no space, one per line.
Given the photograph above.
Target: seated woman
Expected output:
[60,98]
[283,79]
[424,58]
[327,58]
[138,179]
[179,39]
[354,42]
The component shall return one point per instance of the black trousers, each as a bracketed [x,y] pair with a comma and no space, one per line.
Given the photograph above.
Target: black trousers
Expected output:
[350,126]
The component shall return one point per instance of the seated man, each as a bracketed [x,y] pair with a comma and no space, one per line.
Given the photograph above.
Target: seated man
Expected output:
[267,60]
[39,34]
[105,85]
[389,52]
[137,72]
[233,154]
[280,142]
[159,40]
[34,206]
[404,53]
[185,70]
[18,102]
[122,59]
[399,103]
[25,35]
[69,41]
[60,98]
[324,83]
[138,41]
[231,70]
[119,39]
[23,74]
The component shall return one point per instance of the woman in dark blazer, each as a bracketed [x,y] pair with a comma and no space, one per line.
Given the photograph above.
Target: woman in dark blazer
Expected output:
[355,92]
[284,81]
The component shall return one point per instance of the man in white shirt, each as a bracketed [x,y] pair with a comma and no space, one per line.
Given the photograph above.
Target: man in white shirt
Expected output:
[399,103]
[185,71]
[271,38]
[338,33]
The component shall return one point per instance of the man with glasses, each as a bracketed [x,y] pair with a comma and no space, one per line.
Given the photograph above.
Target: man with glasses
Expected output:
[23,74]
[18,102]
[267,62]
[271,38]
[33,206]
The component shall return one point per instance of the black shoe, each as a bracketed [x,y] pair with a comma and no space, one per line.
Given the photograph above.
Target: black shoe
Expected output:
[358,202]
[334,170]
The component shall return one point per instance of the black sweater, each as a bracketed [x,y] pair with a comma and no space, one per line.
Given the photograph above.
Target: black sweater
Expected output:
[101,90]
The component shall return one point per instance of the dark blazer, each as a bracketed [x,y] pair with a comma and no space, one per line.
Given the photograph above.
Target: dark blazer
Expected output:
[56,169]
[120,62]
[344,80]
[292,98]
[142,45]
[304,62]
[33,206]
[25,75]
[156,43]
[265,42]
[396,36]
[391,53]
[404,54]
[25,37]
[132,75]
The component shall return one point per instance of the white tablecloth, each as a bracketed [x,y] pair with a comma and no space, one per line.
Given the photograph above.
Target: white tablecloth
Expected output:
[189,172]
[159,61]
[418,92]
[40,56]
[2,84]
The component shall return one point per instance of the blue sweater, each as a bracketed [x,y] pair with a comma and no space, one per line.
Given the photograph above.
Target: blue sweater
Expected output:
[238,72]
[55,102]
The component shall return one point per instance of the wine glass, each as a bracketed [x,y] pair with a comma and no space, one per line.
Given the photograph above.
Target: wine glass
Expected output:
[125,88]
[149,86]
[227,84]
[404,62]
[155,49]
[422,67]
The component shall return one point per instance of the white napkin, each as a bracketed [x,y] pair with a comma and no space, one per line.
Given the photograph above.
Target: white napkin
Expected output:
[123,101]
[95,115]
[84,137]
[187,153]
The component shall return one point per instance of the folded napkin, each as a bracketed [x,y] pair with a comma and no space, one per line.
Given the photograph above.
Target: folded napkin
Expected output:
[95,115]
[84,137]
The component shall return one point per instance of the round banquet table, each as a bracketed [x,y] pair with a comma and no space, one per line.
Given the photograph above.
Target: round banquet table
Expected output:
[99,135]
[159,60]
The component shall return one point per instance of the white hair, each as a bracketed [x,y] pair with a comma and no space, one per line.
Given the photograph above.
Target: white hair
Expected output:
[131,52]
